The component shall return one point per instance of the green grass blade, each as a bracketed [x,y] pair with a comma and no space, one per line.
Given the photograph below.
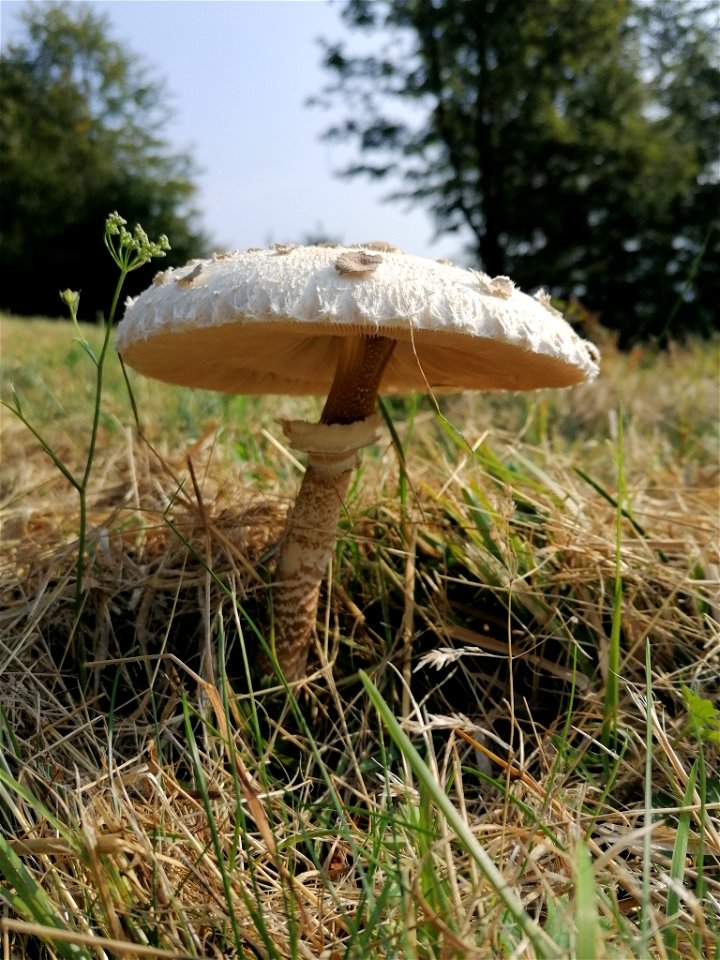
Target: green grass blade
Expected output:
[41,811]
[44,445]
[677,868]
[647,840]
[612,692]
[587,922]
[220,859]
[399,451]
[543,944]
[29,901]
[614,502]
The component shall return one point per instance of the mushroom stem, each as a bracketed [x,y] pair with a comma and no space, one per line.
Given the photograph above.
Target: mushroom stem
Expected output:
[347,424]
[359,370]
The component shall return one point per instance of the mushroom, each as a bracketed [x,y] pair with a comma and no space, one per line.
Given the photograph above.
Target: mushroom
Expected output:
[346,321]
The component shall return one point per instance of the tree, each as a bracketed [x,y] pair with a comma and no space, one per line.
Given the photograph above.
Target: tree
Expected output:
[81,135]
[572,141]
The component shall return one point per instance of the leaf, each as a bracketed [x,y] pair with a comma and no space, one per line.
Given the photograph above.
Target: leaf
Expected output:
[703,719]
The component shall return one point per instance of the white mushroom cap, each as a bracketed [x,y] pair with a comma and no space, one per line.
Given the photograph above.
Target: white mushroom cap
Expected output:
[269,321]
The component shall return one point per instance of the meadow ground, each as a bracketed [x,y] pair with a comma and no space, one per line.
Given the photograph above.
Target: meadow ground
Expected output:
[508,744]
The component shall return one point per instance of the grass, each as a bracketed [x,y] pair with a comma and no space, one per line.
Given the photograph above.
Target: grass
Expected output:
[509,741]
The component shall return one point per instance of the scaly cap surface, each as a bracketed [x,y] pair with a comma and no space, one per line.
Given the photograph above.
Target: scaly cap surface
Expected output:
[268,321]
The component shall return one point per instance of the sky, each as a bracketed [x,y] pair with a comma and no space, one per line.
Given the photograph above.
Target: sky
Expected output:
[239,73]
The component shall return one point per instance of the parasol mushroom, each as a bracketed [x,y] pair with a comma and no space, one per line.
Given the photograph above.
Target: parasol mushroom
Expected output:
[347,322]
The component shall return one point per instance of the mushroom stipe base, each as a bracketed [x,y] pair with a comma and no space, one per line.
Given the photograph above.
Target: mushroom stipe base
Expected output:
[304,556]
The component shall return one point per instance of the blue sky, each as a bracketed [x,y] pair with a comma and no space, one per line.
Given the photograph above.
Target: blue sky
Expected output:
[239,72]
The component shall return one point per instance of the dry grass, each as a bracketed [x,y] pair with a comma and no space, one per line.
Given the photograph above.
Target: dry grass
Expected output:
[155,804]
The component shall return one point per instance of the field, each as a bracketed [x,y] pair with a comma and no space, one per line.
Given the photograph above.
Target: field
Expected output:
[508,744]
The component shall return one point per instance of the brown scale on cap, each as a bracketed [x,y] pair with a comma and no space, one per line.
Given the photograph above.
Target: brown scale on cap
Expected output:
[501,287]
[357,263]
[189,277]
[162,277]
[382,245]
[543,297]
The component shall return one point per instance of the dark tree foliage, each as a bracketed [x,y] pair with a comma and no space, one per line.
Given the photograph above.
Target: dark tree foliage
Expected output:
[81,135]
[575,142]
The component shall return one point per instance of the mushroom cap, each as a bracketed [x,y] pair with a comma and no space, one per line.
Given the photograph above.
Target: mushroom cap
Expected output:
[270,321]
